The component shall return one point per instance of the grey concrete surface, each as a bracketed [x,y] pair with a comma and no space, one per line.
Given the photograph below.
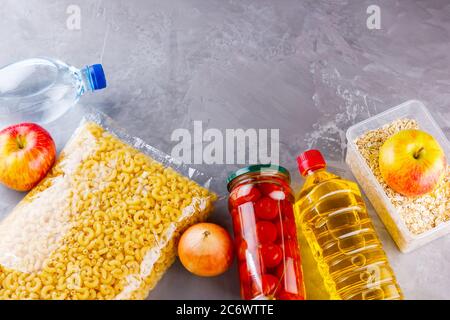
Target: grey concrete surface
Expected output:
[310,68]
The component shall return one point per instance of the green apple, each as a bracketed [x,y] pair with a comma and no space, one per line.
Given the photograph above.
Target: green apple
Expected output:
[412,162]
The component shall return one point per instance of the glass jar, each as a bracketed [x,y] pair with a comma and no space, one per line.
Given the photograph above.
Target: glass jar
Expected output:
[261,205]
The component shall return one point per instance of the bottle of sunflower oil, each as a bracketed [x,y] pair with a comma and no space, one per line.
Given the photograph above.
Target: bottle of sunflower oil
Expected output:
[332,215]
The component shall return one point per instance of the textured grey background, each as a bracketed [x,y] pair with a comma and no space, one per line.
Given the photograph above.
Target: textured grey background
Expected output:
[310,68]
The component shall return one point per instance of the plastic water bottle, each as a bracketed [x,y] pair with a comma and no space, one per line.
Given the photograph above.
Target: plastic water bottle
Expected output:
[41,90]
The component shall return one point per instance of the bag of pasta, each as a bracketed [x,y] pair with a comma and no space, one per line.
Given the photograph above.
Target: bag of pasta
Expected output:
[104,223]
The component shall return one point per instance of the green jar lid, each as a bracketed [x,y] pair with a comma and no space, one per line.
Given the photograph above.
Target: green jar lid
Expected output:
[267,168]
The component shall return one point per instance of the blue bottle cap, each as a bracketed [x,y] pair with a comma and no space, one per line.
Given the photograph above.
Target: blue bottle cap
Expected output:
[97,77]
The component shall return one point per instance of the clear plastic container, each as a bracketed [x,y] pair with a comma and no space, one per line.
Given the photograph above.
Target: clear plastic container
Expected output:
[415,110]
[40,90]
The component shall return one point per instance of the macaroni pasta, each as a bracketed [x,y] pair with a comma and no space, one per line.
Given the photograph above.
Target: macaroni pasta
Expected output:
[102,225]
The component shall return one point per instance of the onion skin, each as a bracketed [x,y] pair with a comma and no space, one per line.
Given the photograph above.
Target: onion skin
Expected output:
[206,250]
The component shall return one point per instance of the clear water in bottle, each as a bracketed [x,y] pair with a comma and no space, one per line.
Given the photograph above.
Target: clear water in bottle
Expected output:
[41,90]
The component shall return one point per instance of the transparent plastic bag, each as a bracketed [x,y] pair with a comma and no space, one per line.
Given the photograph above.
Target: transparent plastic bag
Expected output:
[105,221]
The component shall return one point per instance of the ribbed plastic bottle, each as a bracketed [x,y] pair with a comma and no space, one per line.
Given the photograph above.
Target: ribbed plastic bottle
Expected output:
[332,215]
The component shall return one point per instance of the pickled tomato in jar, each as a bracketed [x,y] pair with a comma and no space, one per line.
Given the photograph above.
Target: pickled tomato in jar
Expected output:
[261,206]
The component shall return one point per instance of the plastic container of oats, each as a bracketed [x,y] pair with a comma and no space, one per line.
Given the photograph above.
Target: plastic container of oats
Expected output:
[412,222]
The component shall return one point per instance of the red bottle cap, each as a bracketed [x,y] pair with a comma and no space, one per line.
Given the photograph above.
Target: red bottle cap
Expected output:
[310,160]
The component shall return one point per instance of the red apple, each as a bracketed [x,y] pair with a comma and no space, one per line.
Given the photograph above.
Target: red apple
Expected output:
[27,152]
[412,162]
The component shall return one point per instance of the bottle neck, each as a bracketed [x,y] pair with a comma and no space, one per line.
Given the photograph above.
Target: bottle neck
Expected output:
[87,80]
[315,177]
[312,178]
[314,172]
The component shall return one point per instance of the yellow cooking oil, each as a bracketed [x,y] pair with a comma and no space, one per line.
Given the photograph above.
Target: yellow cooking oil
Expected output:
[333,218]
